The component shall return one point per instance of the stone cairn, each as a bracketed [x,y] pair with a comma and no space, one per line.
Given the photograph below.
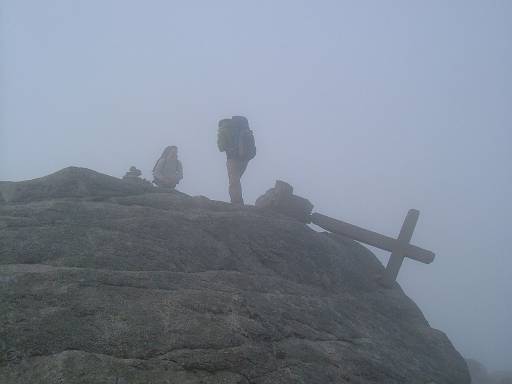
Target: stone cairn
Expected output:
[134,176]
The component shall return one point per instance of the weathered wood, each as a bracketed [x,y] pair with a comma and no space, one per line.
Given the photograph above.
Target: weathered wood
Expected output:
[397,256]
[372,238]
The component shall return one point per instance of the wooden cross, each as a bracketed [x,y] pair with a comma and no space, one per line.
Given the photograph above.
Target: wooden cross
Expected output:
[281,199]
[399,248]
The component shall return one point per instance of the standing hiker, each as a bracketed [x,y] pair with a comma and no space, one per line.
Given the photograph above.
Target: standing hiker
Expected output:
[236,139]
[168,170]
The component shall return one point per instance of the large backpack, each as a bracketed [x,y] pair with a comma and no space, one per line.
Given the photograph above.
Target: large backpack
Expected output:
[246,145]
[223,138]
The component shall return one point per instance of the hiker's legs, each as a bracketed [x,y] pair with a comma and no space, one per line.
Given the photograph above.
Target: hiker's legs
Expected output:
[235,170]
[243,167]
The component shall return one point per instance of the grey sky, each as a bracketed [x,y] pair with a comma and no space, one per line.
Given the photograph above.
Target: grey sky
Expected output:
[368,108]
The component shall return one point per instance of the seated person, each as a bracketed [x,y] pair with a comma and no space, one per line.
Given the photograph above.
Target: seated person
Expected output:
[168,170]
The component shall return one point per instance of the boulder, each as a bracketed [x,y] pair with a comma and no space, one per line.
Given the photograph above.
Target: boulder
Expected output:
[282,200]
[480,375]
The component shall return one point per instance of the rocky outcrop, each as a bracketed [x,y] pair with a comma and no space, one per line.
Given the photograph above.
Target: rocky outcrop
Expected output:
[480,375]
[67,183]
[103,281]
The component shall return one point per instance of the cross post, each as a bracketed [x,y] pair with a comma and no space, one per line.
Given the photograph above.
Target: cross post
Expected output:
[404,238]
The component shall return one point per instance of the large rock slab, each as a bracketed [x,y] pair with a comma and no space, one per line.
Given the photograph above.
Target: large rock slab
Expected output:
[69,182]
[102,283]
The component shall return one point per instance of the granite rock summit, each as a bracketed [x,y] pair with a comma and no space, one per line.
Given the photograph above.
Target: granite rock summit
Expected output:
[107,281]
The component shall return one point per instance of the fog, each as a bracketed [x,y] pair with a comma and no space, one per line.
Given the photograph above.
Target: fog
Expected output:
[368,108]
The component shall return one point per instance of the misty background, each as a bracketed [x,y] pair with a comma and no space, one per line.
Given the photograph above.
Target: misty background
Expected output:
[368,108]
